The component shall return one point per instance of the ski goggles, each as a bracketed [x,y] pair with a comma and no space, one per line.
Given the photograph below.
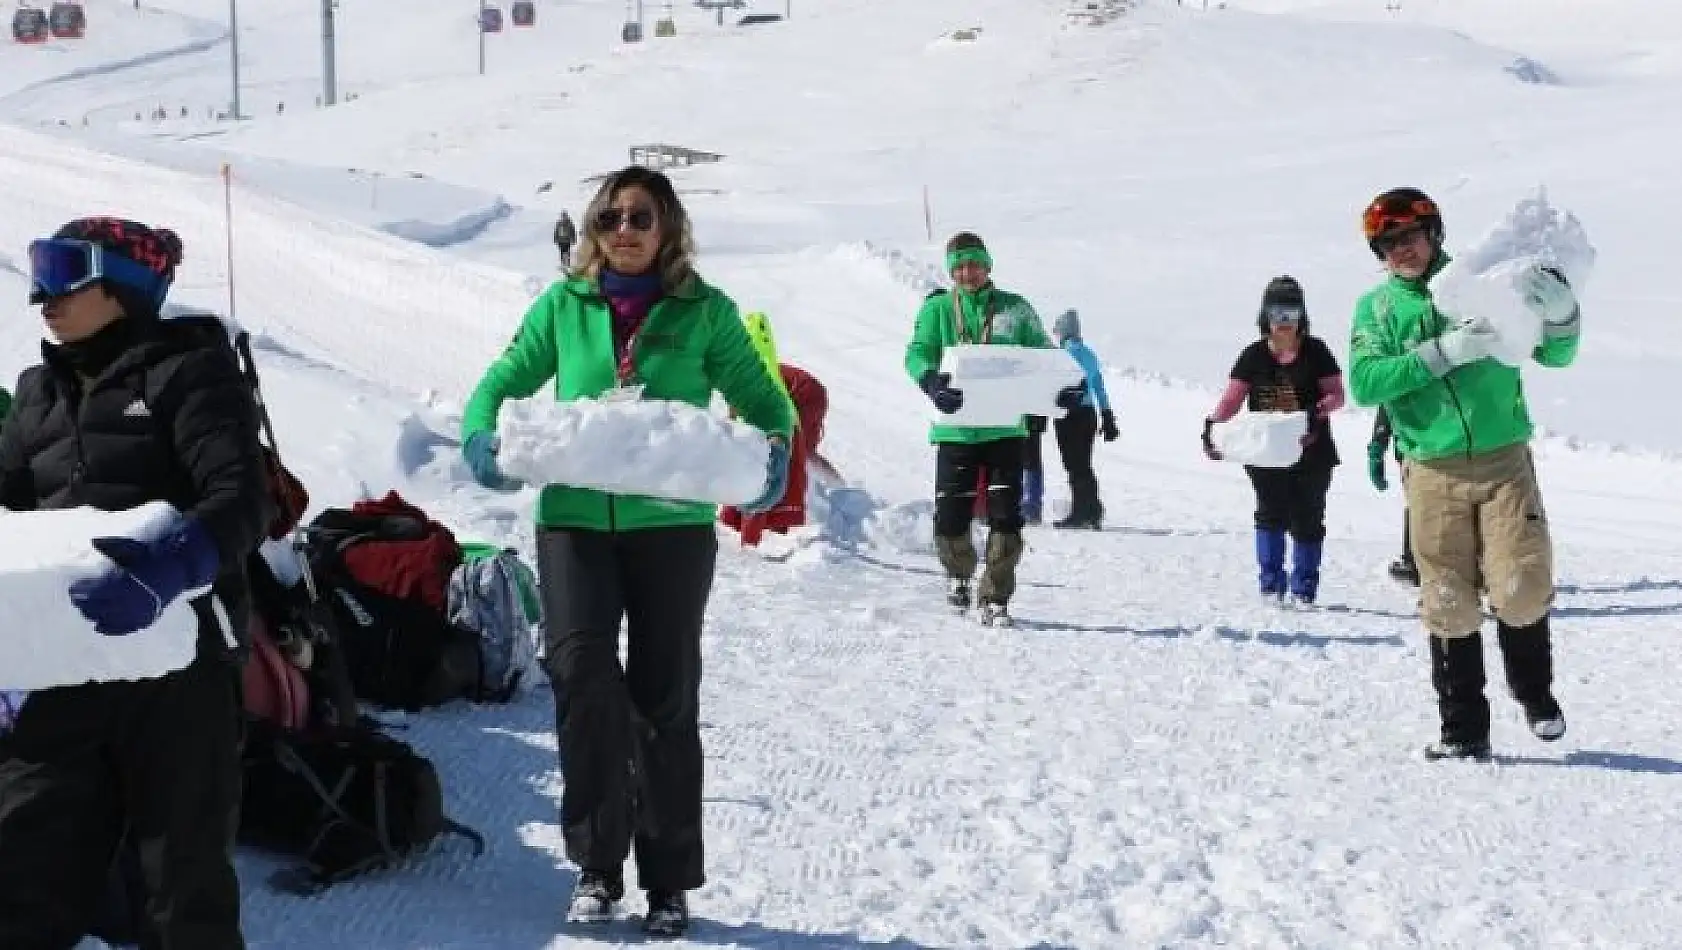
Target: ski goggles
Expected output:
[1283,315]
[59,267]
[609,220]
[1387,215]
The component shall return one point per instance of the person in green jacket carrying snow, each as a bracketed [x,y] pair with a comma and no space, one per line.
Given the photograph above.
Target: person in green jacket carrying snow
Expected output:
[634,314]
[1460,421]
[977,312]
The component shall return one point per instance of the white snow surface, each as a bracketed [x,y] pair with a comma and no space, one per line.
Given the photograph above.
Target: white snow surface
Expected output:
[49,642]
[1001,384]
[1262,439]
[1151,758]
[1485,279]
[659,448]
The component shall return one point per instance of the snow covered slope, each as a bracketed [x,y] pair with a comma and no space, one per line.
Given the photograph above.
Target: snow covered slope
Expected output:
[1151,758]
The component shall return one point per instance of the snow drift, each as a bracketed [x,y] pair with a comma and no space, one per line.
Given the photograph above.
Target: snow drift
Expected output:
[652,447]
[49,642]
[1485,280]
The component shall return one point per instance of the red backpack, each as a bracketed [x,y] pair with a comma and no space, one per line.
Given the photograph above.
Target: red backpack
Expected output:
[275,689]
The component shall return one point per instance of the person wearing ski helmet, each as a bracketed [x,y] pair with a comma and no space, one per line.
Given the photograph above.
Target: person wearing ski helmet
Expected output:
[1077,430]
[124,409]
[974,311]
[1287,370]
[1460,420]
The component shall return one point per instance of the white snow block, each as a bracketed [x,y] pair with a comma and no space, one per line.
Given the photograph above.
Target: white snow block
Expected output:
[1262,439]
[1484,280]
[652,447]
[1001,384]
[45,641]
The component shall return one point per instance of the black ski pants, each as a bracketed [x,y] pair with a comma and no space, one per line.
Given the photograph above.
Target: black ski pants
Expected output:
[958,467]
[158,757]
[1076,434]
[1292,499]
[631,733]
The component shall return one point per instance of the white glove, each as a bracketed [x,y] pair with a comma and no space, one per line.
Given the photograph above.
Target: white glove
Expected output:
[1472,340]
[1548,296]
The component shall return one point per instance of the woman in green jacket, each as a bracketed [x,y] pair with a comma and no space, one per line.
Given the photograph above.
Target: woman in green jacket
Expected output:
[635,314]
[1463,428]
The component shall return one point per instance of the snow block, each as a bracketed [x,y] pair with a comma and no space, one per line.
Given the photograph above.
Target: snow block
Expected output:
[651,447]
[1484,280]
[1262,439]
[1001,384]
[46,641]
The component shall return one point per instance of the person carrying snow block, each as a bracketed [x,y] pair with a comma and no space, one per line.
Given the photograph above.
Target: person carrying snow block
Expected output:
[1077,431]
[975,311]
[1475,509]
[1286,371]
[124,409]
[634,321]
[1402,568]
[811,404]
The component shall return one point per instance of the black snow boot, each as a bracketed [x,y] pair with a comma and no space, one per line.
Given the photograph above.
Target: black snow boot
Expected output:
[668,914]
[595,895]
[1527,653]
[1403,569]
[1457,675]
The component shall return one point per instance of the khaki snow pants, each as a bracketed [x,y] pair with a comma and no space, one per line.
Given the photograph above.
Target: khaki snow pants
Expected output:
[1478,526]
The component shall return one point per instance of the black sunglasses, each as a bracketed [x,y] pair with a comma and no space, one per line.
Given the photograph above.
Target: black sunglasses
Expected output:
[608,220]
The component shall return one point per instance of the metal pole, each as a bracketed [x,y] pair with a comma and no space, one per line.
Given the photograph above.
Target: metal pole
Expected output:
[233,36]
[329,66]
[481,37]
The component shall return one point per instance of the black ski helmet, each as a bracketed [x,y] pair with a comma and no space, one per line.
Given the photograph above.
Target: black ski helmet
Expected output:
[1401,208]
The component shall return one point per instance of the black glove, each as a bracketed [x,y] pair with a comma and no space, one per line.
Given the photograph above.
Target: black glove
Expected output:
[1070,397]
[1209,440]
[1111,433]
[945,398]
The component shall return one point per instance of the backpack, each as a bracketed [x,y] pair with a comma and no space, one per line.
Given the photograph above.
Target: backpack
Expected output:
[490,594]
[276,690]
[383,570]
[346,802]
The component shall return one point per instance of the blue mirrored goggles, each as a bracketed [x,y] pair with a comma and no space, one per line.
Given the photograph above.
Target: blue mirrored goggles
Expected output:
[1283,315]
[61,266]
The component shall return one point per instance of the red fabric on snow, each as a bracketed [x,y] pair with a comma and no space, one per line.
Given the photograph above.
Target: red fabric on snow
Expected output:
[419,569]
[811,404]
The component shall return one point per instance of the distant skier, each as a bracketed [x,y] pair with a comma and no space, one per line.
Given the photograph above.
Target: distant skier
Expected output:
[974,312]
[1077,431]
[566,235]
[1462,425]
[1287,370]
[1402,568]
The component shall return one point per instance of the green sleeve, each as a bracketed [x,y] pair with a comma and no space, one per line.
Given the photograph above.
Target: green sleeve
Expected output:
[735,369]
[923,353]
[530,361]
[1559,351]
[1380,370]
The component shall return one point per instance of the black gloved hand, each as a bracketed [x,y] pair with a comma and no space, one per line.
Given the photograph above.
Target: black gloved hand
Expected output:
[1209,440]
[1111,433]
[1070,397]
[945,398]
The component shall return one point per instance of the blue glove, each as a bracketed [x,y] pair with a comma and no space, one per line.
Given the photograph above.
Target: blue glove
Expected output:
[11,703]
[1070,397]
[938,386]
[148,576]
[776,480]
[480,452]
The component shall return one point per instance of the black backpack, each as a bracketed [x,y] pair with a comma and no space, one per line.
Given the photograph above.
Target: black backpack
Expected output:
[346,802]
[399,652]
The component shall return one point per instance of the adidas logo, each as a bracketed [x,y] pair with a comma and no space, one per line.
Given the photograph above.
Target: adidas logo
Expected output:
[137,409]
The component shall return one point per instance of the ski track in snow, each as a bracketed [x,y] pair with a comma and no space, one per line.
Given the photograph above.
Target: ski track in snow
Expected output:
[1151,758]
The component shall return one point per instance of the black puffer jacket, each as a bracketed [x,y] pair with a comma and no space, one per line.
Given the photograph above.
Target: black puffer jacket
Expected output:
[147,410]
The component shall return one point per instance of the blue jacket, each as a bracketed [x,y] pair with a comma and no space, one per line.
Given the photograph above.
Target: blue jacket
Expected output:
[1096,395]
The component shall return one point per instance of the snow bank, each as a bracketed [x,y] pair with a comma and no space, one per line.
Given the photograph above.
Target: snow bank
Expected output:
[1001,384]
[48,642]
[650,447]
[1264,439]
[1484,280]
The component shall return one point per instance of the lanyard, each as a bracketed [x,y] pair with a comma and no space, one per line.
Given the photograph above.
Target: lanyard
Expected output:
[960,331]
